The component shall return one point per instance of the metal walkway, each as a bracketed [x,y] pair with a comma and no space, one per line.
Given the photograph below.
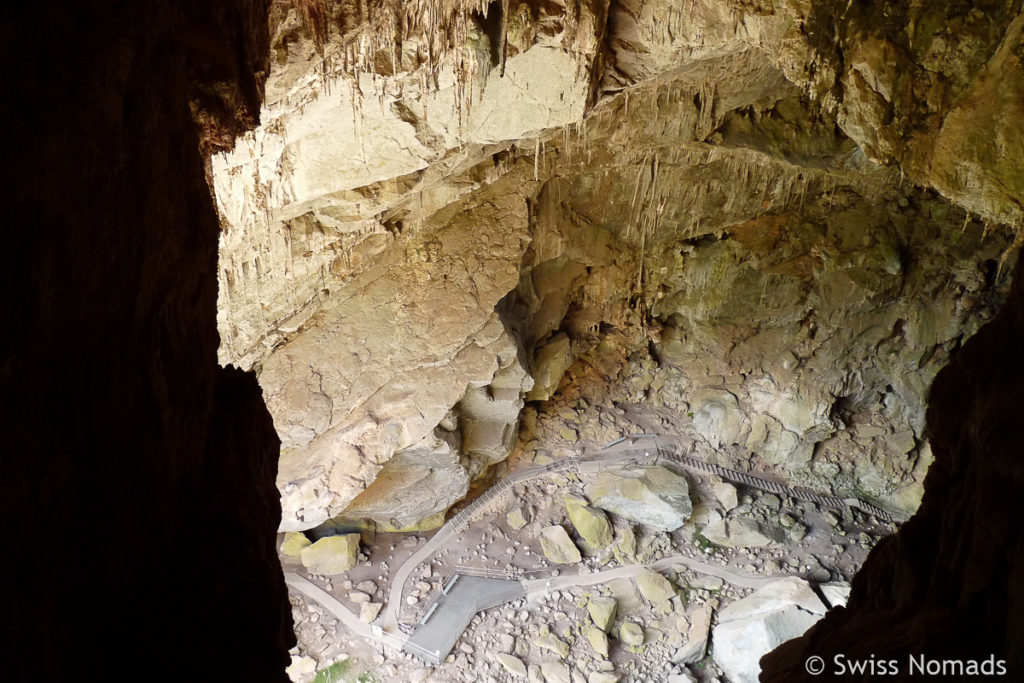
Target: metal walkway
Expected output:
[445,621]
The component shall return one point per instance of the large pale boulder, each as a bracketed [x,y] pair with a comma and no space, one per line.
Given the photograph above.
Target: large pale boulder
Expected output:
[551,643]
[726,495]
[653,496]
[631,634]
[757,624]
[368,611]
[835,593]
[516,518]
[331,555]
[590,523]
[556,672]
[656,588]
[557,546]
[415,484]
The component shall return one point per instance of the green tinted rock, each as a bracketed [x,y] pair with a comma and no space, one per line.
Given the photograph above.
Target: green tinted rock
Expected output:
[655,587]
[551,643]
[653,496]
[293,543]
[602,612]
[331,555]
[516,518]
[557,546]
[625,547]
[590,523]
[631,634]
[511,664]
[598,640]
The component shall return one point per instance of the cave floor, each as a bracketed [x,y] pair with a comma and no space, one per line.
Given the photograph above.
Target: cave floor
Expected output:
[820,545]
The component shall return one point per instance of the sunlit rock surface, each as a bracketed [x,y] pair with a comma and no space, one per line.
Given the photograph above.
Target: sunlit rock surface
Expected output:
[430,231]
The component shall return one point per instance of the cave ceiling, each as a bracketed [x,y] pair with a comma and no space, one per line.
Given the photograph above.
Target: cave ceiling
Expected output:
[780,218]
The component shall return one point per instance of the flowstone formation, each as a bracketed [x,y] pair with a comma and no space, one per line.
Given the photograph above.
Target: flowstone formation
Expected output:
[453,214]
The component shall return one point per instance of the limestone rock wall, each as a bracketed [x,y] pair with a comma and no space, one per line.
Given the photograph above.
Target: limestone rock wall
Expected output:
[946,586]
[446,215]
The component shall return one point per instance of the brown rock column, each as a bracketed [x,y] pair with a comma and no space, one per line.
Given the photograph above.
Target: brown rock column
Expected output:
[136,476]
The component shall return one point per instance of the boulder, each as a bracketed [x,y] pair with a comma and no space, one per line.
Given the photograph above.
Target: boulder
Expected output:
[750,628]
[719,418]
[331,555]
[602,677]
[741,532]
[511,664]
[836,593]
[293,543]
[653,496]
[631,634]
[726,495]
[602,612]
[368,611]
[656,588]
[625,546]
[302,668]
[557,546]
[555,672]
[413,487]
[696,637]
[590,523]
[516,518]
[552,643]
[598,640]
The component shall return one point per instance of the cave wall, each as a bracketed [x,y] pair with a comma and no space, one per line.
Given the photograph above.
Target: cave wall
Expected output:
[677,175]
[948,586]
[137,475]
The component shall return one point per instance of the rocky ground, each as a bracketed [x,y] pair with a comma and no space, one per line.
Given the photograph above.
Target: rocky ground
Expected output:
[664,625]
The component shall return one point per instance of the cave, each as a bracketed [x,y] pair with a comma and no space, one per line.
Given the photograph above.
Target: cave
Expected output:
[577,342]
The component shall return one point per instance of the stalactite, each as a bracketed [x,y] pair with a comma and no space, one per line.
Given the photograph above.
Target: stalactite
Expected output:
[503,47]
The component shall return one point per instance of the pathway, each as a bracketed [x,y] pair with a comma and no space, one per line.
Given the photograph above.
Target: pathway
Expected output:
[451,613]
[446,621]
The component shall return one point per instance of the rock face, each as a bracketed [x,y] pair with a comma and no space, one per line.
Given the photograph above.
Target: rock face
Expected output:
[434,334]
[653,496]
[423,235]
[755,625]
[165,460]
[699,197]
[964,538]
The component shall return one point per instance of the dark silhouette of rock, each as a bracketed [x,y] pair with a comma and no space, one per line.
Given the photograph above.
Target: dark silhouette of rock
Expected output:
[136,476]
